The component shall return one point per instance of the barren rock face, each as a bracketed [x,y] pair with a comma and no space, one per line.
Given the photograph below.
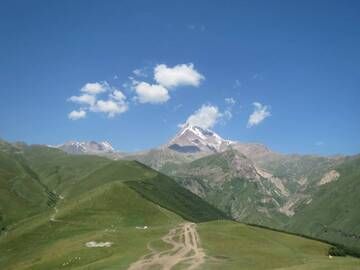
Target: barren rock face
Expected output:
[329,177]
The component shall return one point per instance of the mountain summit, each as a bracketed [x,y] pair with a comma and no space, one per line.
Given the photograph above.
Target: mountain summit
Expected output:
[90,147]
[193,139]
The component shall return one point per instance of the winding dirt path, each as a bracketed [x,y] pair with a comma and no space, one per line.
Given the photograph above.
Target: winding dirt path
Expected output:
[185,249]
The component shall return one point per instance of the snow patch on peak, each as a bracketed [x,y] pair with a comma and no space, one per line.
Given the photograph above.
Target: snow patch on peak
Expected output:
[91,147]
[194,137]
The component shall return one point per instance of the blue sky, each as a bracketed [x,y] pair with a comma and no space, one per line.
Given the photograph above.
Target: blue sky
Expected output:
[298,61]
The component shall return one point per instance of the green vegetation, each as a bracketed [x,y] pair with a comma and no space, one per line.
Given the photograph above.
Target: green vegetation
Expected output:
[108,214]
[74,200]
[231,245]
[229,181]
[333,214]
[337,251]
[96,200]
[21,192]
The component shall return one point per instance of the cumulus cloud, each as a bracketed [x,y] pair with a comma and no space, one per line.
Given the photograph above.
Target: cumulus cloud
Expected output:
[91,97]
[110,107]
[95,88]
[165,78]
[206,117]
[75,115]
[259,114]
[113,105]
[179,75]
[83,99]
[117,95]
[151,93]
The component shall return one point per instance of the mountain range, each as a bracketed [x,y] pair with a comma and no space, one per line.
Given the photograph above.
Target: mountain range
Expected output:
[66,211]
[256,185]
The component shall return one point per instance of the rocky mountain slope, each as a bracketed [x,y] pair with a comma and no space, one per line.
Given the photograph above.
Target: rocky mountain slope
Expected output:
[210,166]
[252,183]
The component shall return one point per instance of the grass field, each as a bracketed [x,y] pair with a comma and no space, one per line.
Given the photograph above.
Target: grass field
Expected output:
[39,243]
[231,245]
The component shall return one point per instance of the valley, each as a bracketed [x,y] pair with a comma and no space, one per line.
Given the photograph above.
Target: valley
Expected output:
[253,184]
[179,135]
[94,212]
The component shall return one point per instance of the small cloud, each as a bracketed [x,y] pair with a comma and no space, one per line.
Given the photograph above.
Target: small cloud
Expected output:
[230,101]
[260,113]
[179,75]
[196,27]
[95,88]
[257,76]
[75,115]
[177,107]
[110,107]
[206,117]
[227,114]
[151,93]
[237,84]
[140,72]
[319,143]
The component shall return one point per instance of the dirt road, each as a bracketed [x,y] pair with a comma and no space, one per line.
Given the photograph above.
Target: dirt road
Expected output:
[185,250]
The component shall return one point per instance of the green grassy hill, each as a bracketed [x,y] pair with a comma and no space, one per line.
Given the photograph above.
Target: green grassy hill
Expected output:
[326,211]
[96,198]
[129,207]
[333,213]
[21,192]
[234,246]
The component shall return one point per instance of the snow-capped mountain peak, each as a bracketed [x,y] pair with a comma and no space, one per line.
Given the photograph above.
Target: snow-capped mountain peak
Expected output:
[90,147]
[191,139]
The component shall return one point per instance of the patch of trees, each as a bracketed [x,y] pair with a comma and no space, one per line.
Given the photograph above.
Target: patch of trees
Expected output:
[337,251]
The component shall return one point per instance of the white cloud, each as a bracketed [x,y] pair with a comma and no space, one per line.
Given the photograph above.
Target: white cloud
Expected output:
[95,88]
[237,84]
[227,114]
[140,72]
[110,107]
[117,95]
[115,104]
[195,27]
[259,114]
[177,107]
[83,99]
[230,101]
[151,93]
[75,115]
[179,75]
[206,117]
